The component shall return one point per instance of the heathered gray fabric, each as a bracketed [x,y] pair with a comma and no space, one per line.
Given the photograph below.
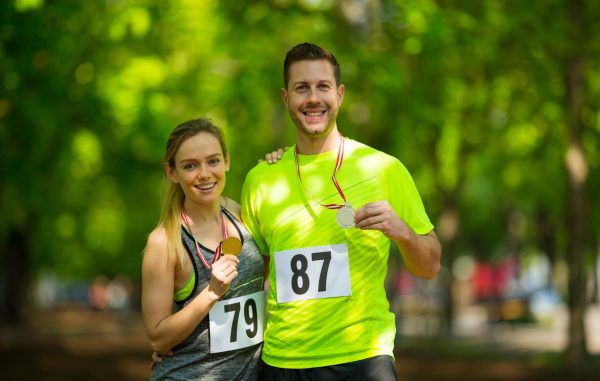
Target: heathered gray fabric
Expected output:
[191,359]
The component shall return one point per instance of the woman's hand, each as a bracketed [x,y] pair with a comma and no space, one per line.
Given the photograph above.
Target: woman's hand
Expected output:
[223,272]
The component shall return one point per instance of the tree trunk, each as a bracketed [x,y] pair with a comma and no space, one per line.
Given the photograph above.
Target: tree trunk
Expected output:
[13,276]
[576,223]
[447,230]
[547,232]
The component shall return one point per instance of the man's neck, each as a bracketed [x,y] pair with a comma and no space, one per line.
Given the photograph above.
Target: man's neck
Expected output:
[312,146]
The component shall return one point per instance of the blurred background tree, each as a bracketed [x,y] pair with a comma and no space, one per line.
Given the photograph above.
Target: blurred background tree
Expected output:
[492,105]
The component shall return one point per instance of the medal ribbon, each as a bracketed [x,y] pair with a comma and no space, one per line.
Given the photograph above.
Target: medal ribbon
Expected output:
[218,250]
[338,164]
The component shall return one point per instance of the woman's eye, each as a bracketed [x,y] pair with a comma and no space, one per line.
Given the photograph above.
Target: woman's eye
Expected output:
[189,166]
[214,161]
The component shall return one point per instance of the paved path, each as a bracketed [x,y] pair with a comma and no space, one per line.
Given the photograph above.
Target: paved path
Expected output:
[71,344]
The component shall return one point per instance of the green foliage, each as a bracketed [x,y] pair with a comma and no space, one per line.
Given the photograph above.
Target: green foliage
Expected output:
[469,95]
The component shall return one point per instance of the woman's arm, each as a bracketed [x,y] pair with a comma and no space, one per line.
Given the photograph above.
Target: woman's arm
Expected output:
[165,329]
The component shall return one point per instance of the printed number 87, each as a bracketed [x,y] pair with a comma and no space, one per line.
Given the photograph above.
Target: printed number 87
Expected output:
[299,265]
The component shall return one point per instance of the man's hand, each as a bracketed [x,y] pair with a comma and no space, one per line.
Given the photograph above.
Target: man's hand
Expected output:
[421,253]
[158,358]
[275,156]
[381,216]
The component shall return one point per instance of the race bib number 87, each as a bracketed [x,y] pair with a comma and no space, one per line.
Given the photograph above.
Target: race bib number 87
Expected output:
[237,323]
[312,273]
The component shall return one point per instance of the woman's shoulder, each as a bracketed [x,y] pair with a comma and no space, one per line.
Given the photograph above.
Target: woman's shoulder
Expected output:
[232,206]
[157,237]
[156,244]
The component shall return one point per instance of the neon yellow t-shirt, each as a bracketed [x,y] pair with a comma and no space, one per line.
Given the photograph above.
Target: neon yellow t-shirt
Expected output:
[331,306]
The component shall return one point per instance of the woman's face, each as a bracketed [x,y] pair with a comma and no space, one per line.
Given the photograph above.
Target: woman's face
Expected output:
[200,167]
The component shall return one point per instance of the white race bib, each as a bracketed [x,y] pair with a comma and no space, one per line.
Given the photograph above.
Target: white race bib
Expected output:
[312,273]
[237,323]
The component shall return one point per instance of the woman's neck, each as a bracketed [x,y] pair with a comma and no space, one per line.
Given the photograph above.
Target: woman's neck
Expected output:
[202,214]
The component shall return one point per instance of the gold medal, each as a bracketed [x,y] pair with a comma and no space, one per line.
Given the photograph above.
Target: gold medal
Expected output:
[345,216]
[232,245]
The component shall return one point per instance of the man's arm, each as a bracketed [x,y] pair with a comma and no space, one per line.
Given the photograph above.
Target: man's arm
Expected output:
[421,253]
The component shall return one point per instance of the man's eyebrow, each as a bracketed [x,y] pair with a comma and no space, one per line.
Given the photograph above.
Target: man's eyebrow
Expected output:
[301,82]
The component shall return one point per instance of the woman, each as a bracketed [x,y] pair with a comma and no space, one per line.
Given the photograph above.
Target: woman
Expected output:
[215,327]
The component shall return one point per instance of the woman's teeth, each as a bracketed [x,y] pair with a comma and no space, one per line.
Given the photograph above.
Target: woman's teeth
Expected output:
[206,186]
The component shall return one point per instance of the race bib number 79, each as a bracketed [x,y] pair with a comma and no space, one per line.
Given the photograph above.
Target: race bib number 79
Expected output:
[312,273]
[237,323]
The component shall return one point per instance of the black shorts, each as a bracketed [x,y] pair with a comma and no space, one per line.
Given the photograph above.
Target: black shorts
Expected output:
[379,368]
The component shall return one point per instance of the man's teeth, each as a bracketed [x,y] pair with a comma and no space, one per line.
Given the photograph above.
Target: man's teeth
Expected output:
[314,113]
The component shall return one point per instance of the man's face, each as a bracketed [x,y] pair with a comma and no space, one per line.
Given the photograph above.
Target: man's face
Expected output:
[312,97]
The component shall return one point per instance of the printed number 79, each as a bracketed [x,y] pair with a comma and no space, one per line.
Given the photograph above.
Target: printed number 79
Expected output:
[250,316]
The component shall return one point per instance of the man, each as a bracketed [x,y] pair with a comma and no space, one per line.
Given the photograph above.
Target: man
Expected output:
[329,316]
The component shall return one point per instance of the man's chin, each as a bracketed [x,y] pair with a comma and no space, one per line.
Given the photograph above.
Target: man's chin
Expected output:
[315,132]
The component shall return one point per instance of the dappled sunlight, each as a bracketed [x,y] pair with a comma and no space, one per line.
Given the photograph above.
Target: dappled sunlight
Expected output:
[84,73]
[576,164]
[134,20]
[512,174]
[66,225]
[104,229]
[28,5]
[521,139]
[123,89]
[280,191]
[87,155]
[490,106]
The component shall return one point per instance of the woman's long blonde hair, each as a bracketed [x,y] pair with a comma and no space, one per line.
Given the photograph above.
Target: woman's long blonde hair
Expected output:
[170,218]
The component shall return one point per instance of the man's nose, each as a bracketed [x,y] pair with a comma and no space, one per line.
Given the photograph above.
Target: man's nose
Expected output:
[313,96]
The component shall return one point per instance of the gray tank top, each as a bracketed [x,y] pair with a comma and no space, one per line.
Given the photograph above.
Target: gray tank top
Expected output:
[191,358]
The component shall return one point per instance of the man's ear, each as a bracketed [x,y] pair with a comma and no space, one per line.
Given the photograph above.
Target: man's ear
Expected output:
[170,172]
[340,92]
[284,97]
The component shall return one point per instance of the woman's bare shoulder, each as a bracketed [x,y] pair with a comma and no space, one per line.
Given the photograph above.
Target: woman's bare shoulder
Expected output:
[232,206]
[155,251]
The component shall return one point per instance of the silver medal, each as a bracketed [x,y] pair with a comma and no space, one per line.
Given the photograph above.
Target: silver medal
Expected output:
[345,217]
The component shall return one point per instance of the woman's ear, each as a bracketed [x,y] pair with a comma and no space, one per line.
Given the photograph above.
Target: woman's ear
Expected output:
[170,172]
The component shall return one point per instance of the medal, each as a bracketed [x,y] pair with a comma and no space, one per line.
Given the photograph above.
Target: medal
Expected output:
[345,213]
[345,216]
[232,245]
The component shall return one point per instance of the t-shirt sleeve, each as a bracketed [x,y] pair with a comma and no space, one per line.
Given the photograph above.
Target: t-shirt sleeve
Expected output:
[405,199]
[249,203]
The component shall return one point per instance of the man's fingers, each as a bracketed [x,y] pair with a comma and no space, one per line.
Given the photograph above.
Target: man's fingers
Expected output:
[370,221]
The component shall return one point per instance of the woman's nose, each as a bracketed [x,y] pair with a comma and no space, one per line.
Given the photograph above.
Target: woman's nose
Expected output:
[203,171]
